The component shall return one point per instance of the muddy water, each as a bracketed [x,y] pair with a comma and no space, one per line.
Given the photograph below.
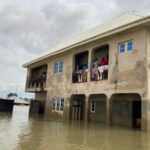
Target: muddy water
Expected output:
[19,132]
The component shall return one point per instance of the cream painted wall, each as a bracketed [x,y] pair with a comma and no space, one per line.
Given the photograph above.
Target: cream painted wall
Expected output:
[129,73]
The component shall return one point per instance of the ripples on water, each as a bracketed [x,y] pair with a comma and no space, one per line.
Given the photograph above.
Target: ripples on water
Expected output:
[19,132]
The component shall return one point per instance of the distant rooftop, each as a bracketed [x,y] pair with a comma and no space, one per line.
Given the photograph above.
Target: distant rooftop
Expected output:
[103,30]
[18,100]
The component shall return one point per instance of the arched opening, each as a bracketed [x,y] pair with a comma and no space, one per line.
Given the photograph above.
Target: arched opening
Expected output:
[100,63]
[80,68]
[126,110]
[77,107]
[97,108]
[38,77]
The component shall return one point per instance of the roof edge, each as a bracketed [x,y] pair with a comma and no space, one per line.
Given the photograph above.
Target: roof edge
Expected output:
[100,36]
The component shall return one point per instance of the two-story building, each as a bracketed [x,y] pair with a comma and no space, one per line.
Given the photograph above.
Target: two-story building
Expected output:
[103,75]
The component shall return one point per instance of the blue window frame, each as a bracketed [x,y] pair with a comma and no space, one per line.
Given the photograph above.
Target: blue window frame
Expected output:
[58,67]
[126,46]
[122,47]
[129,46]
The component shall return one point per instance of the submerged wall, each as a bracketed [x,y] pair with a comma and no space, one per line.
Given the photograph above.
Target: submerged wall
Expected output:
[6,105]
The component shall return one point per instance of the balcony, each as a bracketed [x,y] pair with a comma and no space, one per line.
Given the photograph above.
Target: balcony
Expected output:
[37,83]
[100,64]
[37,79]
[80,68]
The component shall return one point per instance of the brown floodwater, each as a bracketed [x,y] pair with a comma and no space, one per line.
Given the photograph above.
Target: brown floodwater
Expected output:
[21,132]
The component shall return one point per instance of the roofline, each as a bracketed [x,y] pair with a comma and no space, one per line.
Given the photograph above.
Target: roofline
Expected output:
[100,36]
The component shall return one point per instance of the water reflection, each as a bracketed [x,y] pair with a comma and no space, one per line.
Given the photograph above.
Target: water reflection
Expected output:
[19,132]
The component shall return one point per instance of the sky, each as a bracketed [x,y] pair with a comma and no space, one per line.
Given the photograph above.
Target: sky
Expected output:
[29,28]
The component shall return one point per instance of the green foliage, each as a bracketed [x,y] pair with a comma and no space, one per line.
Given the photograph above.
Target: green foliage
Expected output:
[12,94]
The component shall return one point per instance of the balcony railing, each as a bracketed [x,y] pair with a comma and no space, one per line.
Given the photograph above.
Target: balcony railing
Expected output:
[100,73]
[80,76]
[37,83]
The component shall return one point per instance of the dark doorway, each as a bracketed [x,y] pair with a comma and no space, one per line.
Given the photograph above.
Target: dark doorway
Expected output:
[37,107]
[136,114]
[77,107]
[126,110]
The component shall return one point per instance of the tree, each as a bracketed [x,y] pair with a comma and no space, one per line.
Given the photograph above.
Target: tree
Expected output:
[12,94]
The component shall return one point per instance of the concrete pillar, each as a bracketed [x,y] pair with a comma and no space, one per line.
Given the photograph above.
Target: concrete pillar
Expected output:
[67,107]
[108,111]
[145,115]
[146,102]
[86,117]
[28,77]
[89,66]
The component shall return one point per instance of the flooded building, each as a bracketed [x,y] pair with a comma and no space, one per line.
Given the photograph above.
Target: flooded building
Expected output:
[103,75]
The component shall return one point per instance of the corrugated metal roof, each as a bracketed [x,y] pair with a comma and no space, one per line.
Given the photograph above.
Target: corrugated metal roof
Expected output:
[114,23]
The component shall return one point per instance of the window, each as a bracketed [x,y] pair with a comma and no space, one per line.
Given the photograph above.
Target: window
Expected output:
[61,66]
[122,47]
[130,46]
[126,46]
[58,104]
[93,106]
[58,67]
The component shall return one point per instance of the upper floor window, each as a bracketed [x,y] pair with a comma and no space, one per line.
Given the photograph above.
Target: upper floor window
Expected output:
[58,67]
[130,46]
[58,104]
[126,46]
[122,47]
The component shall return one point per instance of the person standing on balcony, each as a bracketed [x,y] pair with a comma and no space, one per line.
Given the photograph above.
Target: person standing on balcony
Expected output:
[44,79]
[84,72]
[95,74]
[77,77]
[103,65]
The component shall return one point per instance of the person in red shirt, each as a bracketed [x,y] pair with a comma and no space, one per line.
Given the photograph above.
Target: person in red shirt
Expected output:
[103,65]
[103,62]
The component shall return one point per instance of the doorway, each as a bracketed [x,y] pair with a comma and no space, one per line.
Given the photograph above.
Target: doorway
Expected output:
[77,107]
[136,114]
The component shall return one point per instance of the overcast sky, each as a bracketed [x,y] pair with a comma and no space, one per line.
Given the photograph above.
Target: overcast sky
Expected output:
[31,27]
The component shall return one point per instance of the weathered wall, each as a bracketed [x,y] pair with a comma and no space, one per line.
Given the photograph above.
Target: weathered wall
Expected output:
[127,72]
[122,113]
[100,109]
[40,97]
[100,113]
[146,100]
[34,107]
[123,109]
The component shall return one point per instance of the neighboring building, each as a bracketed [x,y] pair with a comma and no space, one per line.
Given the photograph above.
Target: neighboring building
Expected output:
[18,100]
[70,83]
[6,105]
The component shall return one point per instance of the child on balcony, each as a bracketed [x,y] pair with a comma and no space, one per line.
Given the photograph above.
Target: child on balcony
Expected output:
[84,72]
[95,74]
